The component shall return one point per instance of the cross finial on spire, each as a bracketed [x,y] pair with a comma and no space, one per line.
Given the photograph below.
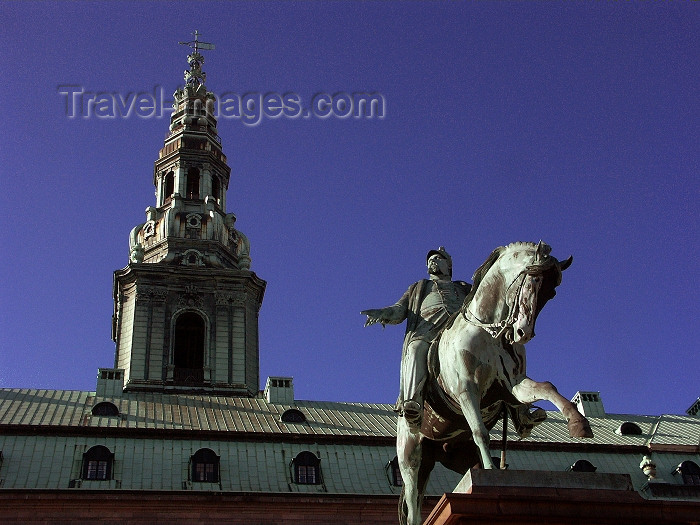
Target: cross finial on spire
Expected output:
[196,44]
[195,76]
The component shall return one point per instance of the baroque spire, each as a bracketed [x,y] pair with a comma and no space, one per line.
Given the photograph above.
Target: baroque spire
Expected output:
[189,225]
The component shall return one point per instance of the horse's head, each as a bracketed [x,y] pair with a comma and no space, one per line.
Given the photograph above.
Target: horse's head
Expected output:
[513,286]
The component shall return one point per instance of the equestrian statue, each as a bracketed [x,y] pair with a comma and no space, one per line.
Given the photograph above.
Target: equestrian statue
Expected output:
[463,362]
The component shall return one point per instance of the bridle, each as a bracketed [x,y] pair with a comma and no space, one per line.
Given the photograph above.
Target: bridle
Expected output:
[497,329]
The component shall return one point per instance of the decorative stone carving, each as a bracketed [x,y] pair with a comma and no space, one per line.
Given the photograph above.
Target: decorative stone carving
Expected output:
[136,251]
[193,220]
[231,298]
[136,254]
[157,295]
[149,229]
[192,257]
[190,297]
[238,242]
[648,467]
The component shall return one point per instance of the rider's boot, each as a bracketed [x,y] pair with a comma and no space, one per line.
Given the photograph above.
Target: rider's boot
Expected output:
[413,412]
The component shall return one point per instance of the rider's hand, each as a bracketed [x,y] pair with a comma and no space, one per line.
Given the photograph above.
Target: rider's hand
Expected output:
[373,316]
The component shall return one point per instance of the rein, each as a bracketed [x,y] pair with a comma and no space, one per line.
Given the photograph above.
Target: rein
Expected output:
[496,330]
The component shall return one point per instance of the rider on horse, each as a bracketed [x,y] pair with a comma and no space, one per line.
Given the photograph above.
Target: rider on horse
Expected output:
[427,305]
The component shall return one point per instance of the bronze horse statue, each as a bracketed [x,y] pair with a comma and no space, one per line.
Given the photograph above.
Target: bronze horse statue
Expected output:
[478,373]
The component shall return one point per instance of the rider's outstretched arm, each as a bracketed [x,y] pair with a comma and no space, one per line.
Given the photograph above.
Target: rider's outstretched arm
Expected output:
[390,315]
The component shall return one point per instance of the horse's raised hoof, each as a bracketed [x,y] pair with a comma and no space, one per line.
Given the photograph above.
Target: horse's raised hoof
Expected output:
[579,428]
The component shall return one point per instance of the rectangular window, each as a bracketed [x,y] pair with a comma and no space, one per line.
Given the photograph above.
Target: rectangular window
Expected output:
[204,472]
[307,474]
[97,470]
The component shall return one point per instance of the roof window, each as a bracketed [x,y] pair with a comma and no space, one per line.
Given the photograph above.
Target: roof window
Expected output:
[306,469]
[205,466]
[689,471]
[293,416]
[105,408]
[97,464]
[629,429]
[583,465]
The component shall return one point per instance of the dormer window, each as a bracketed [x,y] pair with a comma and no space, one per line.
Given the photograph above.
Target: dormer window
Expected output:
[105,408]
[689,471]
[629,429]
[306,469]
[97,464]
[583,465]
[394,472]
[293,416]
[205,466]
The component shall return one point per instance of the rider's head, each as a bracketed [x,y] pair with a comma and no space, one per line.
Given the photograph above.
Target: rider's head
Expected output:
[439,262]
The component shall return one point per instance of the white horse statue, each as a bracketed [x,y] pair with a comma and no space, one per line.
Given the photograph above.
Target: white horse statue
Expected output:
[477,372]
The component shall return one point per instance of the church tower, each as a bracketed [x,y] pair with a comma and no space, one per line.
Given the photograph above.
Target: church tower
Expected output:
[186,306]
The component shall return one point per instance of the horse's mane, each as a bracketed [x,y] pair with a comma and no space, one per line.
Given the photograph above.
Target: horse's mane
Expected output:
[482,270]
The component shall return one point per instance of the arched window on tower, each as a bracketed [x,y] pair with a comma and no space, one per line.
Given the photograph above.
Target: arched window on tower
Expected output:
[192,191]
[216,188]
[168,186]
[188,349]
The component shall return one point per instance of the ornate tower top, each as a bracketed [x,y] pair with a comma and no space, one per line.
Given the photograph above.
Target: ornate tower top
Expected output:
[194,95]
[189,225]
[195,76]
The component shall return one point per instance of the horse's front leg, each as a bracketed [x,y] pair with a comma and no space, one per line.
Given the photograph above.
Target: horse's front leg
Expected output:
[529,391]
[409,453]
[470,401]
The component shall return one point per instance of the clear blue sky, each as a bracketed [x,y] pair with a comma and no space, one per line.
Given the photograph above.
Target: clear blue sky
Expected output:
[575,123]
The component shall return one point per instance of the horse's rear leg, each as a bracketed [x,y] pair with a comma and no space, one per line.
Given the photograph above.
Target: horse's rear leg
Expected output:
[529,391]
[469,401]
[409,454]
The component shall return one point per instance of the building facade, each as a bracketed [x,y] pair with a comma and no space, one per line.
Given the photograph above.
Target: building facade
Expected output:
[180,431]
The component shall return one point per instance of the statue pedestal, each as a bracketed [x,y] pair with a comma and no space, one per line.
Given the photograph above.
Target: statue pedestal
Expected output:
[480,481]
[543,497]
